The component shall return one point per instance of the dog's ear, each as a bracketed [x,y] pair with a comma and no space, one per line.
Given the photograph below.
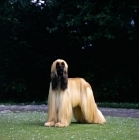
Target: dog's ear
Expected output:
[64,81]
[54,80]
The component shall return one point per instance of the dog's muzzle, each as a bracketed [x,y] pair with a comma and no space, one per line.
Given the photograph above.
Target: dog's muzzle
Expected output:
[60,70]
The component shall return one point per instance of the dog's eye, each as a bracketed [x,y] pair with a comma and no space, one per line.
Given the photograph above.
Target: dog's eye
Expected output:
[62,64]
[57,64]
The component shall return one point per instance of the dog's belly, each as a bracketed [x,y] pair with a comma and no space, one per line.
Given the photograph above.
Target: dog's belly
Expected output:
[75,99]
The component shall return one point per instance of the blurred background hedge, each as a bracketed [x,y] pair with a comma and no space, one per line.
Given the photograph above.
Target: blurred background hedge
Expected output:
[98,39]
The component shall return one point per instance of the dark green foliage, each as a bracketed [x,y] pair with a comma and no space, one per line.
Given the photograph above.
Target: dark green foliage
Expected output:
[96,39]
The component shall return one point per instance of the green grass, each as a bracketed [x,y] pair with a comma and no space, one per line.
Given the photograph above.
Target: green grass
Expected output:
[29,126]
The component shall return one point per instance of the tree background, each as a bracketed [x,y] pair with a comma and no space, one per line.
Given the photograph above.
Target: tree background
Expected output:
[98,39]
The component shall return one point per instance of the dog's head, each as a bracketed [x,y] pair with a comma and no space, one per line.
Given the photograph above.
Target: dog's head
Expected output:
[59,74]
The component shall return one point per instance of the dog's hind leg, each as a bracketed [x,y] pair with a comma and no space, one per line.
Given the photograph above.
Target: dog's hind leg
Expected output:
[90,110]
[78,115]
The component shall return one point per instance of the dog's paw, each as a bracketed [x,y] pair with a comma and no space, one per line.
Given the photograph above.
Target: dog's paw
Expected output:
[49,124]
[60,125]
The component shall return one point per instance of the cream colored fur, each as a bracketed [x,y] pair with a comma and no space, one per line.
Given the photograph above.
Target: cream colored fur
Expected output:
[77,99]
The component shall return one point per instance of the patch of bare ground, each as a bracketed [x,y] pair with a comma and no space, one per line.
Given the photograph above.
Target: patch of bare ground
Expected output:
[117,112]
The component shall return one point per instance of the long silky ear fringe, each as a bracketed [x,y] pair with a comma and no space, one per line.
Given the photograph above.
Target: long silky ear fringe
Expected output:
[54,80]
[64,81]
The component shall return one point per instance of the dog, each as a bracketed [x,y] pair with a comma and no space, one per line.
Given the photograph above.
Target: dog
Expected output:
[69,96]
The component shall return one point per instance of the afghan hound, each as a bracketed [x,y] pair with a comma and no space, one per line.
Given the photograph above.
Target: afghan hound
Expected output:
[70,95]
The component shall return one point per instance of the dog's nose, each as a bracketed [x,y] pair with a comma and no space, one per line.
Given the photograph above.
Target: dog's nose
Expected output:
[61,68]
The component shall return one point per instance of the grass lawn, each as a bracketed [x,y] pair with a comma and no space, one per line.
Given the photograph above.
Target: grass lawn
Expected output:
[29,126]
